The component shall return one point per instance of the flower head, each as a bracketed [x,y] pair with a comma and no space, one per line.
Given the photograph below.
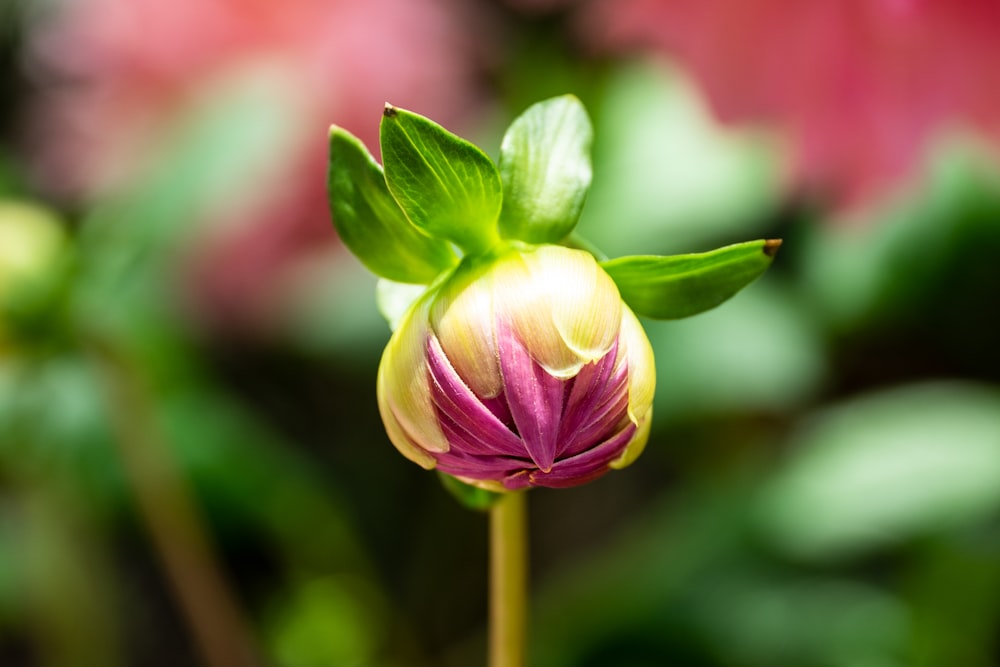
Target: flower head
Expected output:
[525,370]
[522,363]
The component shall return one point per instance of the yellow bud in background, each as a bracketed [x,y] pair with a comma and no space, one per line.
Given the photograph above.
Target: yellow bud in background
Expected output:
[32,246]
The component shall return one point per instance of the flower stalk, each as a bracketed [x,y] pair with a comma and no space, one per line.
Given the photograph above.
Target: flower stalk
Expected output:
[517,358]
[508,581]
[220,631]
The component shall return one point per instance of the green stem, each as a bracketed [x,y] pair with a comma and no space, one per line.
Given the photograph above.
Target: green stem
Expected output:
[171,518]
[508,581]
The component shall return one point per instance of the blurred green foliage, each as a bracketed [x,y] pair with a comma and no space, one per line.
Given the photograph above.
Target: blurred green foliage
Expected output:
[820,489]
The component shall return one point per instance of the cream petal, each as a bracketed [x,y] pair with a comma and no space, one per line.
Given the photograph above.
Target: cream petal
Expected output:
[399,438]
[635,446]
[562,305]
[485,484]
[524,305]
[462,318]
[586,306]
[403,386]
[641,366]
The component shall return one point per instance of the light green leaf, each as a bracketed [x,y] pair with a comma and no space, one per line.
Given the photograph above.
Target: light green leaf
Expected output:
[470,496]
[885,467]
[674,286]
[370,221]
[545,169]
[394,300]
[446,186]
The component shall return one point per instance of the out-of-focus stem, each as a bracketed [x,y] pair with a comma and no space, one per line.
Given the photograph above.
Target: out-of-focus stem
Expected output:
[172,522]
[508,581]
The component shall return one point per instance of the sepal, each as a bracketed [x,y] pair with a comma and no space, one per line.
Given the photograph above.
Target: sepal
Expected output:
[675,286]
[546,171]
[445,185]
[371,223]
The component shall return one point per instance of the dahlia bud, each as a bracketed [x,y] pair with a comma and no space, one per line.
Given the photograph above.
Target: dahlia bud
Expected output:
[524,369]
[522,364]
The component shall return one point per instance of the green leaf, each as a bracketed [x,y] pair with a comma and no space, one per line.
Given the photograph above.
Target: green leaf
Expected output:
[545,169]
[886,467]
[675,286]
[470,496]
[394,300]
[370,221]
[446,186]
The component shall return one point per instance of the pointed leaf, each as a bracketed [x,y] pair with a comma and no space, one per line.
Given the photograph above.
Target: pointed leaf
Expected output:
[545,168]
[370,222]
[676,286]
[445,185]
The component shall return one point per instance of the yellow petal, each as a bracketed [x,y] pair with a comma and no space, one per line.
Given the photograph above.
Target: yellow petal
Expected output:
[403,392]
[562,306]
[636,445]
[399,438]
[641,367]
[485,484]
[463,320]
[635,350]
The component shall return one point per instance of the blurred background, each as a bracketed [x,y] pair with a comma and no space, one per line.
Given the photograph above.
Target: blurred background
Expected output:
[192,468]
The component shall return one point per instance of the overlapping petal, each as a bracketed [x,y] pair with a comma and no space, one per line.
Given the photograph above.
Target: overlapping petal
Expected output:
[462,317]
[638,354]
[402,390]
[560,302]
[523,369]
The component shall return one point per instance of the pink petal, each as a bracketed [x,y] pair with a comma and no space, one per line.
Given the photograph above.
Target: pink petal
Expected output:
[535,398]
[470,422]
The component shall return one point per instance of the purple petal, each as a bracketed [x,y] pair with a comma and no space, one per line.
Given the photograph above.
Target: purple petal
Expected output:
[471,423]
[586,466]
[518,480]
[597,403]
[587,386]
[535,397]
[461,464]
[498,406]
[556,481]
[464,440]
[605,418]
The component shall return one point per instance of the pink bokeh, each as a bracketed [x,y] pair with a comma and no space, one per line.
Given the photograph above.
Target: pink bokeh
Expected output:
[120,71]
[861,86]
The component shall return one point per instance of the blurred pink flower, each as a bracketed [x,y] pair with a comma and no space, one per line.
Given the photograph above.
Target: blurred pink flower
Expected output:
[125,68]
[861,85]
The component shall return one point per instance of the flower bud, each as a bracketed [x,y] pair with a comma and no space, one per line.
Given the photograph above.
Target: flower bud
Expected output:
[32,258]
[522,369]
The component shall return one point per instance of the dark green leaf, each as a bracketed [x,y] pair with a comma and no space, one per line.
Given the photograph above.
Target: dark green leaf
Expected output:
[675,286]
[446,186]
[370,222]
[470,496]
[545,168]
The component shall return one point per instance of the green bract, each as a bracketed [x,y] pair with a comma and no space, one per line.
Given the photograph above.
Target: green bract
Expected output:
[446,186]
[545,167]
[370,221]
[676,286]
[439,193]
